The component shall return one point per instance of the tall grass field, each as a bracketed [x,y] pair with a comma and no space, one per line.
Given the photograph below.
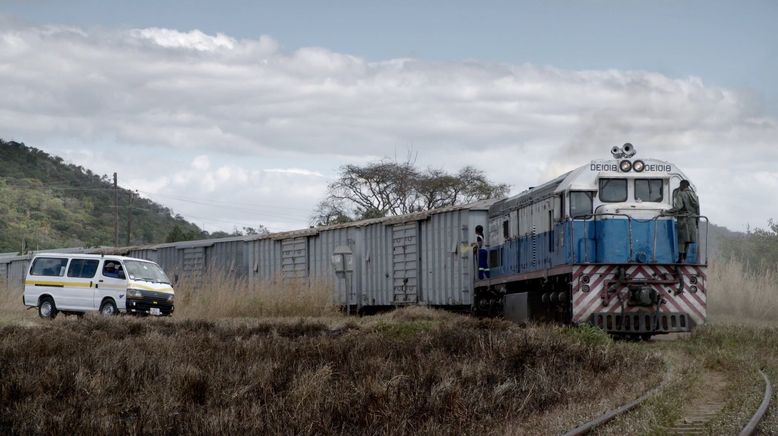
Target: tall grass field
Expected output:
[281,358]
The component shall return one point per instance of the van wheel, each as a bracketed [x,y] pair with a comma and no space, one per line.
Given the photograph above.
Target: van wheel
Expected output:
[47,309]
[108,308]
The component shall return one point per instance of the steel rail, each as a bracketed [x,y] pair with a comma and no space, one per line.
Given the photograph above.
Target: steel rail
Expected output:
[750,428]
[607,416]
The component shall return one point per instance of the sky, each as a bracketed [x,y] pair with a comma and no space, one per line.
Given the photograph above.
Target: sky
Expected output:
[240,113]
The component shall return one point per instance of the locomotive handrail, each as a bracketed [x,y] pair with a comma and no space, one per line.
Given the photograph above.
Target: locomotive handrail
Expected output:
[573,247]
[707,229]
[586,231]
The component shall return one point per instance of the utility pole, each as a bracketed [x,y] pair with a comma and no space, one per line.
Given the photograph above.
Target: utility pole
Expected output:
[115,211]
[129,218]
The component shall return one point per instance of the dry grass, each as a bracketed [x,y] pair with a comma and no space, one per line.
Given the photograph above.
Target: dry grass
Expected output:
[454,375]
[223,296]
[735,294]
[11,308]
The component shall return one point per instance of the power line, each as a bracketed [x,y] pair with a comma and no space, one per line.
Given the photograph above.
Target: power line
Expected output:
[253,207]
[215,203]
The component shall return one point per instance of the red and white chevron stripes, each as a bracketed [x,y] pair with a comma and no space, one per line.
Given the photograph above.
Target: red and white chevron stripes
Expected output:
[589,287]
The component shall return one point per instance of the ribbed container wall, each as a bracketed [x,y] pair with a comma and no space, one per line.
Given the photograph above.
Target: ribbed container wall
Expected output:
[17,272]
[169,260]
[144,253]
[322,273]
[264,261]
[3,274]
[228,257]
[376,281]
[446,257]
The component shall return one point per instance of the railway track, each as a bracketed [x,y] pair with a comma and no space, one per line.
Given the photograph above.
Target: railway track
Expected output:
[695,422]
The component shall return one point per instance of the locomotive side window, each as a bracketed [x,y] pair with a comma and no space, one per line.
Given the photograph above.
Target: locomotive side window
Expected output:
[648,190]
[580,203]
[613,190]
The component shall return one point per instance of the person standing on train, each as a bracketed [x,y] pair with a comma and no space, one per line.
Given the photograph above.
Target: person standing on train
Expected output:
[482,254]
[686,209]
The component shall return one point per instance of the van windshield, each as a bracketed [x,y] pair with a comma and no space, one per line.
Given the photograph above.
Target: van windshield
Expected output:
[146,271]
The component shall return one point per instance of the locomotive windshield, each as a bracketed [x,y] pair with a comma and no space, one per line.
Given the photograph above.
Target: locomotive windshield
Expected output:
[648,190]
[613,190]
[580,203]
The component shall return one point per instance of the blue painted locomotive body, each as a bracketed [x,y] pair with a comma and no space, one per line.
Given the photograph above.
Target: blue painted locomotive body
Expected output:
[604,241]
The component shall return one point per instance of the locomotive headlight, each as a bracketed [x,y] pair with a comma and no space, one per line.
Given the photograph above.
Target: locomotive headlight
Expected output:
[693,280]
[625,166]
[693,289]
[585,279]
[585,288]
[638,166]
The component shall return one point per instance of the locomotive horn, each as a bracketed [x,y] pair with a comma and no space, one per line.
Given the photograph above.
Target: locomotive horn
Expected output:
[629,150]
[617,152]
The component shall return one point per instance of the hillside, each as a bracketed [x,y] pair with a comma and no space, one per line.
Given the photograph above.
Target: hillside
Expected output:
[48,203]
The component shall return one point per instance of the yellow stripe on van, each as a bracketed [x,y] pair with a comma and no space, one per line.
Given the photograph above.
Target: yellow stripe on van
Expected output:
[53,283]
[136,285]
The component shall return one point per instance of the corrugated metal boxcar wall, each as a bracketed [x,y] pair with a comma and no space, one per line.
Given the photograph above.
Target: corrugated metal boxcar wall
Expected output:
[228,257]
[446,259]
[17,271]
[294,258]
[144,253]
[3,274]
[168,259]
[321,271]
[264,261]
[406,255]
[376,279]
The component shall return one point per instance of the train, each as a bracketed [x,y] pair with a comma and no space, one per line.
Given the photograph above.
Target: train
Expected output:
[594,246]
[588,247]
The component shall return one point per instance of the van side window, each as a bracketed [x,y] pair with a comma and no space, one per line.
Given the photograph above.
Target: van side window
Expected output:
[49,266]
[113,269]
[83,268]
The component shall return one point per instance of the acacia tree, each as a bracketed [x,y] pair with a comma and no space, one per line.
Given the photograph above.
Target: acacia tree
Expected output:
[384,188]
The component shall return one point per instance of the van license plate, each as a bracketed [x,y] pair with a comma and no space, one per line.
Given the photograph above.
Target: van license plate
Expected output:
[155,311]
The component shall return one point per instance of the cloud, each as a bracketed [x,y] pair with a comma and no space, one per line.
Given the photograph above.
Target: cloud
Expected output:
[270,115]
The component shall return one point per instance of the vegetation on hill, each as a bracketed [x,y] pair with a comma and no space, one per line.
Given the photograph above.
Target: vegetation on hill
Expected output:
[48,203]
[757,248]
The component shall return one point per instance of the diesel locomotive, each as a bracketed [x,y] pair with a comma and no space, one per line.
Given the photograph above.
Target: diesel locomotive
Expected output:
[595,246]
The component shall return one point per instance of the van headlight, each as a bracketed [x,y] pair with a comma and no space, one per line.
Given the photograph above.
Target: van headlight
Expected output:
[170,298]
[134,293]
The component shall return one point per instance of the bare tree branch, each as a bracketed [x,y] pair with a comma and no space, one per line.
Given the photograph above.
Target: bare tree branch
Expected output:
[387,187]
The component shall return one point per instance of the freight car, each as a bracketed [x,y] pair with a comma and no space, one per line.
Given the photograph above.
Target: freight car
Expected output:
[593,246]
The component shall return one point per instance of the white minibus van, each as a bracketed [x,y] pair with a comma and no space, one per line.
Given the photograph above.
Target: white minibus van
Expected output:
[79,283]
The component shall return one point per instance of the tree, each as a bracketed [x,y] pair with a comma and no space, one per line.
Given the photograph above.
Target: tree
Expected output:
[330,212]
[260,230]
[383,188]
[177,235]
[757,248]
